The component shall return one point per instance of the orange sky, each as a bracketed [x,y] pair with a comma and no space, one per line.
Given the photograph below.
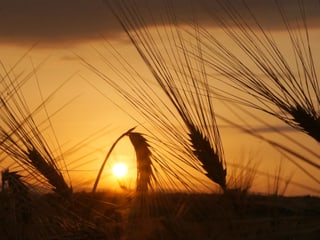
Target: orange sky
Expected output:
[63,30]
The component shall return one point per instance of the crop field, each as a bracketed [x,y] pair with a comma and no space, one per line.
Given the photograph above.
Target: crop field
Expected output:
[194,83]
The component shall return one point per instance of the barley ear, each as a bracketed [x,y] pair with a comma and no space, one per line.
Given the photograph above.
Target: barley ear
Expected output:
[306,121]
[50,172]
[142,206]
[143,153]
[205,153]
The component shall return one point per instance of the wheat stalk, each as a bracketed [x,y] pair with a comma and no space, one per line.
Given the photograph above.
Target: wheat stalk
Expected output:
[21,138]
[182,81]
[261,71]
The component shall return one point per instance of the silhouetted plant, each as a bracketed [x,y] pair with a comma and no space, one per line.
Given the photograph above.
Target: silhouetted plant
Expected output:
[261,74]
[183,82]
[20,136]
[144,163]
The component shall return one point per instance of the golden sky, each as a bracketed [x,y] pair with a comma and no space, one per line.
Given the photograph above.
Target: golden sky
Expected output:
[60,31]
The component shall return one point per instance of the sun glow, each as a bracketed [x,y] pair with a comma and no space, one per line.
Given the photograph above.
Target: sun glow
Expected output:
[119,170]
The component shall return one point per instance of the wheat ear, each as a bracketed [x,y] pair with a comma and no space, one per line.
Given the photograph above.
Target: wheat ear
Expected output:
[50,172]
[144,164]
[142,204]
[306,121]
[208,157]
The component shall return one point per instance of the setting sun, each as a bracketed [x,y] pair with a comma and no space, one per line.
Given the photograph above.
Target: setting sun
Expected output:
[119,170]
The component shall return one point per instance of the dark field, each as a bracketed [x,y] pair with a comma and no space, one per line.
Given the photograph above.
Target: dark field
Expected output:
[232,215]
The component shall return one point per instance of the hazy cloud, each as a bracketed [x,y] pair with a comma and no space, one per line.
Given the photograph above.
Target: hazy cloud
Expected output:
[54,21]
[71,21]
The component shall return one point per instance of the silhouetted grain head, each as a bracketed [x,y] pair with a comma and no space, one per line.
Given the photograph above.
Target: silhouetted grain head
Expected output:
[10,177]
[263,73]
[143,202]
[17,192]
[5,175]
[21,137]
[182,79]
[210,160]
[50,172]
[144,163]
[306,121]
